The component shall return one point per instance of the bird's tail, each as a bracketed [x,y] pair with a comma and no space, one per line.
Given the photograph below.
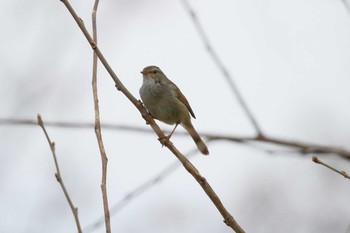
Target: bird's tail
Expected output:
[196,138]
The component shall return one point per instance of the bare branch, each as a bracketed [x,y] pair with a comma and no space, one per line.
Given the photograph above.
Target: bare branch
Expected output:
[203,36]
[301,147]
[343,173]
[58,175]
[297,146]
[97,127]
[228,219]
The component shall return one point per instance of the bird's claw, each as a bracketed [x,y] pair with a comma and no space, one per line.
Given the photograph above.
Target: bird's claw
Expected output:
[164,140]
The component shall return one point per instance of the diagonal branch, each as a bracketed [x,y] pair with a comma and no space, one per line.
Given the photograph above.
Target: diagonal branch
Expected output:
[97,127]
[228,219]
[58,175]
[229,79]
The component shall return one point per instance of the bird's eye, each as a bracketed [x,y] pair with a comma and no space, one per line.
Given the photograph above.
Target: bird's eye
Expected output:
[155,71]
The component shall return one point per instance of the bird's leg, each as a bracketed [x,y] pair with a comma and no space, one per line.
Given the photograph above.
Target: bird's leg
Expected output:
[165,139]
[169,136]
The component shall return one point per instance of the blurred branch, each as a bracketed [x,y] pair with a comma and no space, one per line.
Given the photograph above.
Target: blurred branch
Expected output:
[347,5]
[203,36]
[104,158]
[58,175]
[298,146]
[348,230]
[301,147]
[228,219]
[140,190]
[343,173]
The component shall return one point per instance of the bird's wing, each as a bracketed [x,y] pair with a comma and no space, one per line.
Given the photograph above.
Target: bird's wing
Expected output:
[183,99]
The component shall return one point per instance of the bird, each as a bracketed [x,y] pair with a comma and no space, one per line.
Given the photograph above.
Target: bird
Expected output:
[166,103]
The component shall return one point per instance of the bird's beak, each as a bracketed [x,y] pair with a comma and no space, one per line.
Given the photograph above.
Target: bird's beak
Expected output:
[143,72]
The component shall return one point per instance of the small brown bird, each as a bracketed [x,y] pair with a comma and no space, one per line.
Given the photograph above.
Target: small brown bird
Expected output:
[164,100]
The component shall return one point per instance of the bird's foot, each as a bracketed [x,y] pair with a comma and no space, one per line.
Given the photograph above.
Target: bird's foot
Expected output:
[164,140]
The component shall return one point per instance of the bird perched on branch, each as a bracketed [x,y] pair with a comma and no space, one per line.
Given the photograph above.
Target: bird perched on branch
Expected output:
[164,100]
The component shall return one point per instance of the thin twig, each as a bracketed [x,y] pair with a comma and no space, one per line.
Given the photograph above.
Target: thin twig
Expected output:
[297,146]
[203,36]
[58,175]
[343,173]
[97,127]
[228,219]
[140,190]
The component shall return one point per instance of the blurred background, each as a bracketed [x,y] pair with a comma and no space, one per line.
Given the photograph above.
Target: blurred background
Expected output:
[289,59]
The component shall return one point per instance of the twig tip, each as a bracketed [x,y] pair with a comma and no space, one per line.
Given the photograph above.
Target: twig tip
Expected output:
[40,120]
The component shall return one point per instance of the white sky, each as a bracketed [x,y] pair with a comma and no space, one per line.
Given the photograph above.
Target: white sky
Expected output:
[290,60]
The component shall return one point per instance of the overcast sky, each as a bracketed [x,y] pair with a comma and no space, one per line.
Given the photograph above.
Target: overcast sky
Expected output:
[289,59]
